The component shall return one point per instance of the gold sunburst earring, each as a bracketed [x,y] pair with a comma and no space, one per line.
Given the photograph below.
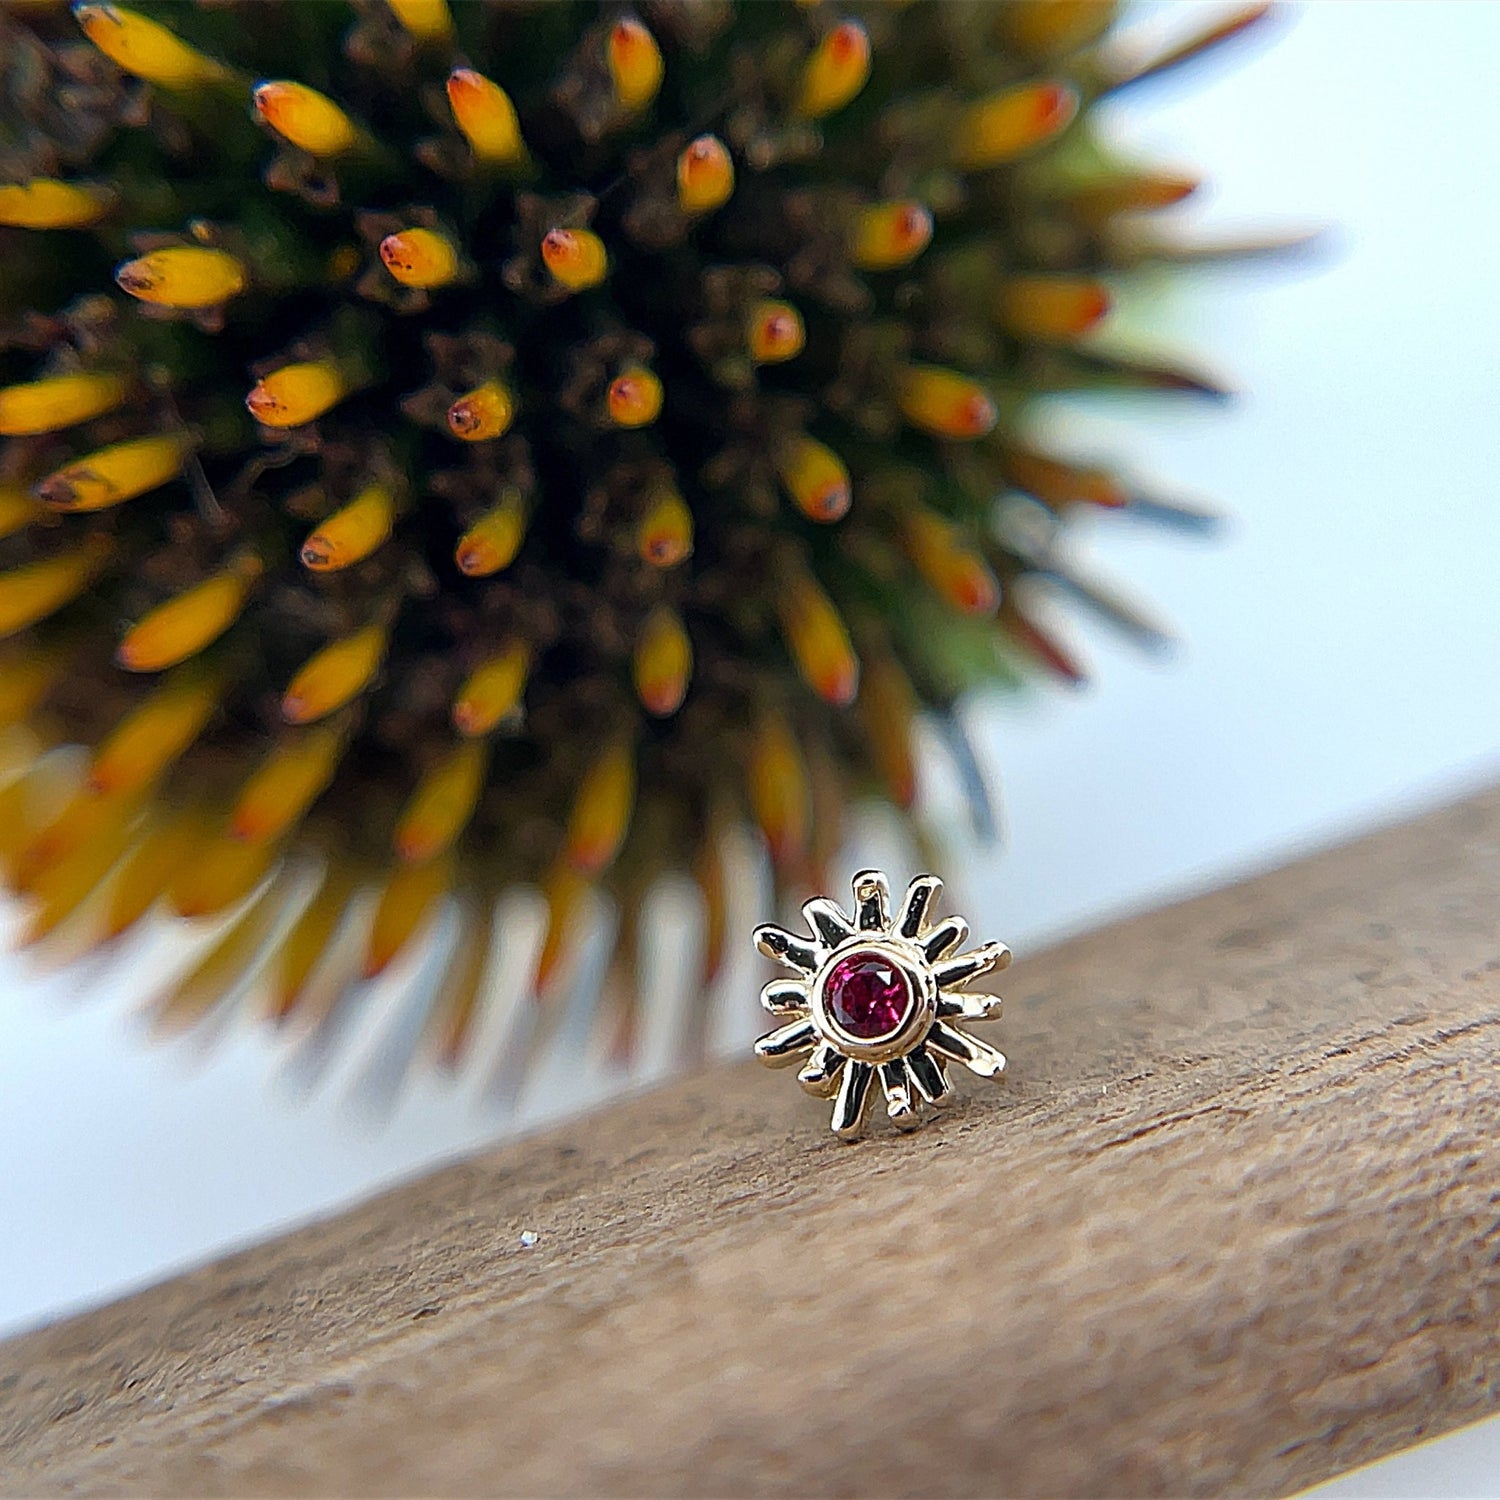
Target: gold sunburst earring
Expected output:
[879,997]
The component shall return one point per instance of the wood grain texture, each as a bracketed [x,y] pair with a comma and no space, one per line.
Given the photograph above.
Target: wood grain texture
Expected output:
[1231,1227]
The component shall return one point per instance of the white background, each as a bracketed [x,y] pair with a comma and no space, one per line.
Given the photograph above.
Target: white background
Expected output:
[1339,666]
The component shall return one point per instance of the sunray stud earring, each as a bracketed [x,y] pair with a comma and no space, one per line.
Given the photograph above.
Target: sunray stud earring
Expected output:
[879,998]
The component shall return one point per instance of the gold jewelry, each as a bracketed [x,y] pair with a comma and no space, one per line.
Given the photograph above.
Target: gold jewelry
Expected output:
[878,997]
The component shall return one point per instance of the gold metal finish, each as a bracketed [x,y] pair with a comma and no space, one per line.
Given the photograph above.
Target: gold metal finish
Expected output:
[910,1059]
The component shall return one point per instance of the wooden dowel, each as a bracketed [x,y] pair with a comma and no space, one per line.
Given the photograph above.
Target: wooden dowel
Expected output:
[1232,1225]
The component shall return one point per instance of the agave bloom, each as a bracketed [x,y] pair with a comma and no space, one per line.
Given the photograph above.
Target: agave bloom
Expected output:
[444,449]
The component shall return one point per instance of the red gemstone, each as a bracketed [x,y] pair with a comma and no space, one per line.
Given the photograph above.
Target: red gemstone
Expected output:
[867,995]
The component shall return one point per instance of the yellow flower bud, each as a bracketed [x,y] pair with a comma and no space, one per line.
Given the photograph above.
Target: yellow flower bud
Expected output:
[1012,122]
[442,803]
[635,64]
[491,543]
[146,48]
[601,810]
[776,333]
[575,257]
[331,677]
[306,118]
[35,590]
[424,20]
[486,117]
[287,783]
[486,412]
[351,533]
[46,203]
[635,397]
[705,175]
[815,477]
[836,71]
[420,258]
[186,277]
[296,394]
[945,403]
[664,536]
[663,662]
[184,625]
[58,401]
[887,235]
[491,692]
[110,476]
[819,642]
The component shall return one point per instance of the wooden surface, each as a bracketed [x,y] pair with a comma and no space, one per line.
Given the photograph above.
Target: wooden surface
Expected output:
[1232,1226]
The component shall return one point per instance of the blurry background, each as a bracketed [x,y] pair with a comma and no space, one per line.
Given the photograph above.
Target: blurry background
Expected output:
[1339,665]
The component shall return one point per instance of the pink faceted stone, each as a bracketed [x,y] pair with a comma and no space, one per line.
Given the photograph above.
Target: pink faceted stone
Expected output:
[867,994]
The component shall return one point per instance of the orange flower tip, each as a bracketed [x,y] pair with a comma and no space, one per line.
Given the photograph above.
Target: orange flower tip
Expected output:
[184,625]
[817,480]
[58,401]
[333,676]
[835,72]
[1093,307]
[666,530]
[477,560]
[889,235]
[601,811]
[46,203]
[635,398]
[441,806]
[1132,193]
[635,64]
[820,644]
[420,258]
[829,501]
[705,175]
[185,277]
[491,543]
[1104,490]
[1055,104]
[839,687]
[576,258]
[284,787]
[484,413]
[777,780]
[1013,122]
[295,394]
[145,47]
[110,476]
[352,533]
[306,118]
[663,663]
[1053,307]
[491,692]
[486,117]
[974,589]
[777,333]
[946,404]
[663,698]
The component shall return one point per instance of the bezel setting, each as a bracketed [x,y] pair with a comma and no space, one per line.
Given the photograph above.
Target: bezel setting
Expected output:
[921,1004]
